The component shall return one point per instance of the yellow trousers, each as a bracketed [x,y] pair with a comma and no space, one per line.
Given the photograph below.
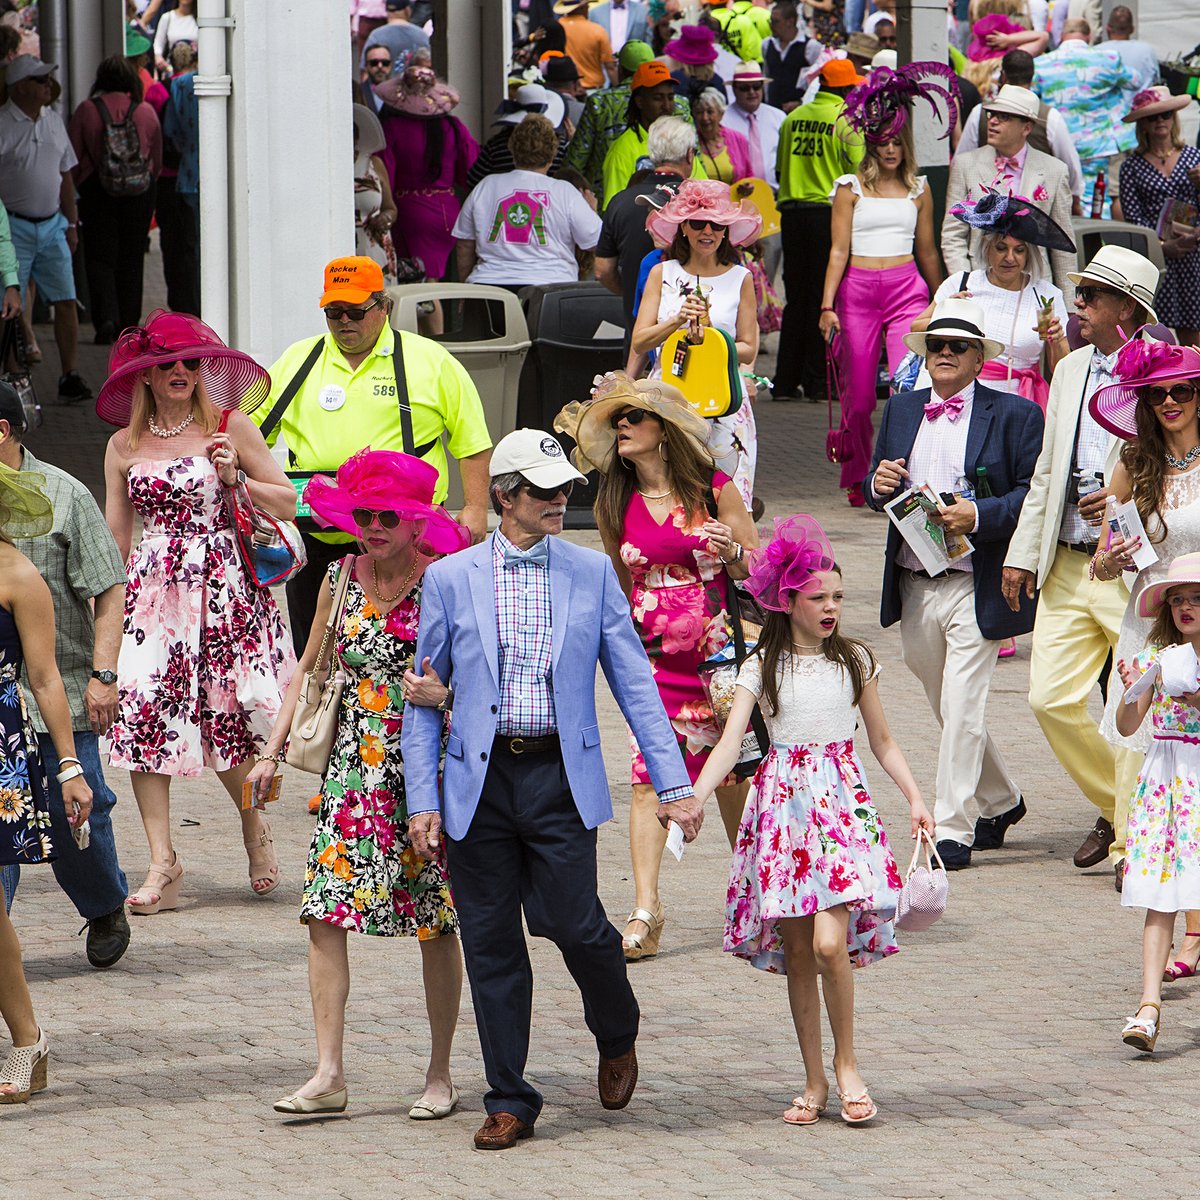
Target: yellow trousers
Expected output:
[1078,621]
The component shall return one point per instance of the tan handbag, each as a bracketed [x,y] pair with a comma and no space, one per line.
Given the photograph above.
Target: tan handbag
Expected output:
[315,722]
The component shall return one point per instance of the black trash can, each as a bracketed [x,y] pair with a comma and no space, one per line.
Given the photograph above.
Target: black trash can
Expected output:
[576,332]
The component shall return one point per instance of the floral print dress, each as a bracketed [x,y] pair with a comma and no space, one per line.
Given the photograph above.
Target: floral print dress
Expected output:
[24,790]
[678,600]
[363,873]
[1162,843]
[204,657]
[810,837]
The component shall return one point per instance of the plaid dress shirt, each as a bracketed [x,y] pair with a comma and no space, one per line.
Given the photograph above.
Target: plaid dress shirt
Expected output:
[526,646]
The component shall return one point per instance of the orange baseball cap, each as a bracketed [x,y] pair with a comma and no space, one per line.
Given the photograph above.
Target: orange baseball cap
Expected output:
[840,72]
[650,74]
[352,280]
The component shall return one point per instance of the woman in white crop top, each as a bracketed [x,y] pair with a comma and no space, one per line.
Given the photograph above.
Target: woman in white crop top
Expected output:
[882,268]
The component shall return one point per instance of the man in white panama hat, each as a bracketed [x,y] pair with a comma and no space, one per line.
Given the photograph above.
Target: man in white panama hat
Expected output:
[1079,616]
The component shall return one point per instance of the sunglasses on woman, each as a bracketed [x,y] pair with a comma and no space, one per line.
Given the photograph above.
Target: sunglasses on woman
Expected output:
[335,312]
[631,416]
[189,364]
[700,226]
[935,345]
[364,517]
[550,493]
[1181,393]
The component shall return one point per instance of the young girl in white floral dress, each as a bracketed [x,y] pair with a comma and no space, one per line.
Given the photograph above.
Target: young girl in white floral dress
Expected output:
[1162,844]
[813,884]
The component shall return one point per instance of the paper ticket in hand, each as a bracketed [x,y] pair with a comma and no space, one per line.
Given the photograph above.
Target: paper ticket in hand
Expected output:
[675,840]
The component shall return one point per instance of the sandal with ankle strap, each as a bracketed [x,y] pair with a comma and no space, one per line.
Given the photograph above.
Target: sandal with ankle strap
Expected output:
[24,1070]
[257,849]
[644,945]
[160,892]
[1179,969]
[807,1106]
[1140,1032]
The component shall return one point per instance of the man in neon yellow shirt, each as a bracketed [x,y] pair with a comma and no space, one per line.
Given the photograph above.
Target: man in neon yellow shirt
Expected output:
[333,395]
[816,145]
[652,95]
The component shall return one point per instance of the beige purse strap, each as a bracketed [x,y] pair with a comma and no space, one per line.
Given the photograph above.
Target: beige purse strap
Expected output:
[926,843]
[335,612]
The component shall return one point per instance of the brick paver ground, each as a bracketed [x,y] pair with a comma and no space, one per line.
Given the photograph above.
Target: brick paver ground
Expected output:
[991,1043]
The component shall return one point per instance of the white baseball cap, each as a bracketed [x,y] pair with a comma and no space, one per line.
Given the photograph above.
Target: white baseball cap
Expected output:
[535,454]
[27,66]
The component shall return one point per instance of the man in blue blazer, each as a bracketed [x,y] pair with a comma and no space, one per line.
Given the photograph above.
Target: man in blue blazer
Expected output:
[517,626]
[637,21]
[954,437]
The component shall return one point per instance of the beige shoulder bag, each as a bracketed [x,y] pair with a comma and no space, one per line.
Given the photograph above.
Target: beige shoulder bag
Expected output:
[314,725]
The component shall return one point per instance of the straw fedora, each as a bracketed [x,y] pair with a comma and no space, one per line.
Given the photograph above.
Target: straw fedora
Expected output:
[1018,101]
[956,318]
[1124,270]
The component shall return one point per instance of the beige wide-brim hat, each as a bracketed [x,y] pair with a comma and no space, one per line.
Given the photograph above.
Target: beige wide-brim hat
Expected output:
[589,422]
[956,319]
[1018,101]
[1153,101]
[1124,270]
[1184,569]
[367,126]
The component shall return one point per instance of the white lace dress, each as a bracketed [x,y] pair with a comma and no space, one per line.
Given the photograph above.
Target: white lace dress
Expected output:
[1183,537]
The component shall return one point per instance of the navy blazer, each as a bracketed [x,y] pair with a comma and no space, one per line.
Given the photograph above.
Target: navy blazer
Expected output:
[1005,436]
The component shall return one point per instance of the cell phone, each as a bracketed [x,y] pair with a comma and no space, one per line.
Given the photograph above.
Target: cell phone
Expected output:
[248,792]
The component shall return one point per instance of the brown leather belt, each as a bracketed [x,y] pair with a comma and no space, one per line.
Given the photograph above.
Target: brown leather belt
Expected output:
[528,745]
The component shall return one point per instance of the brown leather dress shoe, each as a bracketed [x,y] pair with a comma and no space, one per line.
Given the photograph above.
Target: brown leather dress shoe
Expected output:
[616,1079]
[501,1131]
[1095,846]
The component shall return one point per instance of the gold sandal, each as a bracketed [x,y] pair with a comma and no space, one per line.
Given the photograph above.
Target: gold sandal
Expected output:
[644,945]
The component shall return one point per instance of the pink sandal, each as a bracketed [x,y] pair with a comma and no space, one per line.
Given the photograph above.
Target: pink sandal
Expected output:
[1008,648]
[1179,969]
[810,1111]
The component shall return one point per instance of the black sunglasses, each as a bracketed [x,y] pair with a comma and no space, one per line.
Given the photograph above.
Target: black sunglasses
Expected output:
[699,226]
[935,345]
[363,518]
[550,493]
[336,313]
[1181,393]
[634,416]
[747,87]
[379,62]
[1089,291]
[190,364]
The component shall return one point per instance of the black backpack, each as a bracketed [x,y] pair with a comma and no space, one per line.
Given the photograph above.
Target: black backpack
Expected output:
[123,170]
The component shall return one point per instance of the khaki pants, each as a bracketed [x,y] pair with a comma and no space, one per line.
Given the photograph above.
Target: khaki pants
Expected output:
[1078,622]
[943,648]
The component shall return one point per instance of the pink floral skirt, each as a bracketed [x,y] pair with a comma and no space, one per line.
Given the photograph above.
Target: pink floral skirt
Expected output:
[810,839]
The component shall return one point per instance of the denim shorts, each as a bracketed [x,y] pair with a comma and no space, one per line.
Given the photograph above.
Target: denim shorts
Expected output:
[43,253]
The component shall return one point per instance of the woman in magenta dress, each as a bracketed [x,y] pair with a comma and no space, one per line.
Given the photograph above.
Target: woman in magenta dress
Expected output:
[676,534]
[428,155]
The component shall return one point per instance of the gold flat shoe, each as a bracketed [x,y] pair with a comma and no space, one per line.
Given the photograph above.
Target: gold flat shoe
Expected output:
[309,1106]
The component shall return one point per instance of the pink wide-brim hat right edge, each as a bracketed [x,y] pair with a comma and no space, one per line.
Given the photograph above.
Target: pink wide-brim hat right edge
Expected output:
[1141,362]
[1184,569]
[706,199]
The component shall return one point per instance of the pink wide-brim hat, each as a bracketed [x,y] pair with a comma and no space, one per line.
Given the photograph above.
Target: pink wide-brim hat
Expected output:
[418,93]
[694,47]
[385,481]
[979,50]
[1183,569]
[231,379]
[1155,100]
[789,562]
[1141,362]
[710,200]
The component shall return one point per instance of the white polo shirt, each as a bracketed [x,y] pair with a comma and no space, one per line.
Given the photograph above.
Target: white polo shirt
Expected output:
[33,157]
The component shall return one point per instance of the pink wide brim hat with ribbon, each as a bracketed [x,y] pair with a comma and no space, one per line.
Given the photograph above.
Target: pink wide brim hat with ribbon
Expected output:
[418,93]
[979,50]
[1155,100]
[708,200]
[789,562]
[231,379]
[385,481]
[1183,570]
[1141,362]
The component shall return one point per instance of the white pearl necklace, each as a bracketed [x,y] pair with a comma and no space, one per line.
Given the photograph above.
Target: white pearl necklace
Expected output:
[169,433]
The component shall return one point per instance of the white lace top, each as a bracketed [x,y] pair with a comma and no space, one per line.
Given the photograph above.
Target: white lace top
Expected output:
[882,226]
[1183,537]
[816,700]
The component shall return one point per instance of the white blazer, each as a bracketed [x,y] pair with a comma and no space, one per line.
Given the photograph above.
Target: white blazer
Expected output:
[1035,542]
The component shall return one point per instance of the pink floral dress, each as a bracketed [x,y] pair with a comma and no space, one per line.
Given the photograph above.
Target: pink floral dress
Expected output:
[678,602]
[810,837]
[204,657]
[1162,844]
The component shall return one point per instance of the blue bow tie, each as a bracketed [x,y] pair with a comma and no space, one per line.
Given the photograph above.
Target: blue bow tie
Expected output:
[539,553]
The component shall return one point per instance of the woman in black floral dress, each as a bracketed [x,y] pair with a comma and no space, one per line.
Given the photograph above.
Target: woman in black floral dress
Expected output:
[363,874]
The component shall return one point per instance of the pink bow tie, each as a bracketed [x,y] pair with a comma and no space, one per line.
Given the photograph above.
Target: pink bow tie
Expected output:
[952,408]
[1004,163]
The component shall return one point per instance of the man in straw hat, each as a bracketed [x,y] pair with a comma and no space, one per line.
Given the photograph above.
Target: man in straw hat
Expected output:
[1079,617]
[951,623]
[759,123]
[525,618]
[1011,166]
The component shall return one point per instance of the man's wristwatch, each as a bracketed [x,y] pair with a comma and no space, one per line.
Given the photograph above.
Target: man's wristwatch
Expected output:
[105,677]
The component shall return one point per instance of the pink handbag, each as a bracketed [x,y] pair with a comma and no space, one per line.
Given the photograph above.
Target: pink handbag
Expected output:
[923,897]
[840,443]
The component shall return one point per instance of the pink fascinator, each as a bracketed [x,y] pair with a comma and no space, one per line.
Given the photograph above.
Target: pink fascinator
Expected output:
[1142,362]
[789,562]
[880,108]
[979,50]
[706,199]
